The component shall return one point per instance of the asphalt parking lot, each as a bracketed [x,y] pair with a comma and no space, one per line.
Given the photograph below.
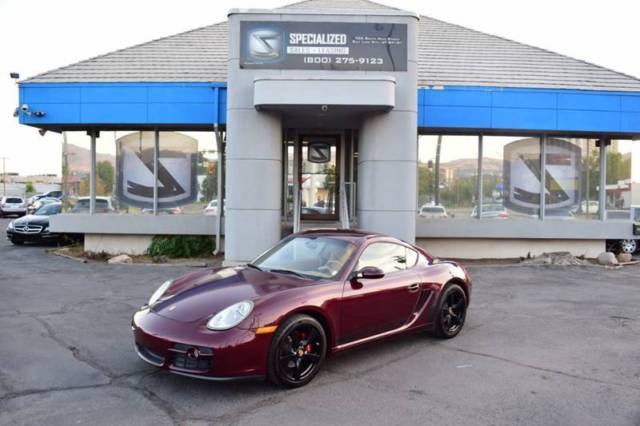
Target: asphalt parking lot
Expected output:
[542,346]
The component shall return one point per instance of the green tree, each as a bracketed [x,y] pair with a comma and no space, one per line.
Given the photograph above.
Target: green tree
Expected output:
[106,176]
[209,186]
[29,188]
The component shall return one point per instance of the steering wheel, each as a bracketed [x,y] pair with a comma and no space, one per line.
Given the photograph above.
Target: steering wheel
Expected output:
[332,267]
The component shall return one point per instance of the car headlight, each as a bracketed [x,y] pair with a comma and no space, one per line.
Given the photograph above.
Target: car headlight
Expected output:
[10,226]
[45,229]
[159,292]
[231,316]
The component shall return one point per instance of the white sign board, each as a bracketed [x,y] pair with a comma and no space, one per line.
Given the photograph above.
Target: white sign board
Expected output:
[177,167]
[522,175]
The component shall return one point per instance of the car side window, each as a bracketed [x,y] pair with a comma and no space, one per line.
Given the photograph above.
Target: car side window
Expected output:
[387,256]
[412,258]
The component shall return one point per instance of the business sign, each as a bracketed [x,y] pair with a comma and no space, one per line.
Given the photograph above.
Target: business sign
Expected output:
[177,169]
[323,46]
[522,175]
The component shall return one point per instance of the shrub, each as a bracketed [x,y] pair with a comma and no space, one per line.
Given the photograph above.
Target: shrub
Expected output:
[180,246]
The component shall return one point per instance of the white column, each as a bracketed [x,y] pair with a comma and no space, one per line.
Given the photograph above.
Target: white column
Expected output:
[92,174]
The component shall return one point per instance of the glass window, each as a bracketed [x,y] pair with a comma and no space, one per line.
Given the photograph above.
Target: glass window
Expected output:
[623,179]
[412,258]
[511,178]
[386,256]
[49,210]
[187,172]
[315,257]
[76,165]
[447,176]
[572,178]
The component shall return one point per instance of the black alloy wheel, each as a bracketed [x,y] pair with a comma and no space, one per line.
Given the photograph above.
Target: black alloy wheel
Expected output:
[452,311]
[297,351]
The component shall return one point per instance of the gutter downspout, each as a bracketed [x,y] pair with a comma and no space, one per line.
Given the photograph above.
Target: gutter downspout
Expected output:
[219,143]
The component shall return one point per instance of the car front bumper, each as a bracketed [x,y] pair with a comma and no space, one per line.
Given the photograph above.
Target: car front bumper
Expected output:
[34,237]
[13,210]
[190,349]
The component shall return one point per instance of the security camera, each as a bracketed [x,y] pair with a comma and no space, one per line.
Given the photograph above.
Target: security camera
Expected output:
[25,109]
[324,108]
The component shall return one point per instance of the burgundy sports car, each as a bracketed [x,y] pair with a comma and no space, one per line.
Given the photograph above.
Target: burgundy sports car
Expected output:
[314,294]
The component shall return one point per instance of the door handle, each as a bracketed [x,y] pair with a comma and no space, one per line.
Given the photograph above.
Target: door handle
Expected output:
[414,287]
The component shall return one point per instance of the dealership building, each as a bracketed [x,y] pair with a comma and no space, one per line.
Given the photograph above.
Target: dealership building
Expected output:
[350,114]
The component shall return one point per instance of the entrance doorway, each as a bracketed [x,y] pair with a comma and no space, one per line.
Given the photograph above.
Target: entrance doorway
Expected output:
[319,178]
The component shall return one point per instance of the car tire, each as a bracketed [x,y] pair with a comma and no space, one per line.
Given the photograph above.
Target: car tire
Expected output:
[628,246]
[451,312]
[16,242]
[297,351]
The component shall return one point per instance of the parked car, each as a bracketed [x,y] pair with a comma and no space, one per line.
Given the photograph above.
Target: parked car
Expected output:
[491,211]
[628,245]
[314,294]
[212,207]
[433,212]
[39,203]
[35,227]
[164,210]
[103,205]
[54,194]
[12,206]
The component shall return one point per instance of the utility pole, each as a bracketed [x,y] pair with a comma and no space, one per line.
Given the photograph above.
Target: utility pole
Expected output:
[4,176]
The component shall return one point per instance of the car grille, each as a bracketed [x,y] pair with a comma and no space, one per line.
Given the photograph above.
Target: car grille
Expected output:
[191,358]
[27,229]
[150,356]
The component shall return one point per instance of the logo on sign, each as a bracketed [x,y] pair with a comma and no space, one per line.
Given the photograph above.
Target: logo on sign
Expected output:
[319,152]
[523,175]
[177,181]
[265,44]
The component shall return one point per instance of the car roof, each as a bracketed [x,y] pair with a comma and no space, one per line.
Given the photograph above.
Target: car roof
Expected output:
[339,232]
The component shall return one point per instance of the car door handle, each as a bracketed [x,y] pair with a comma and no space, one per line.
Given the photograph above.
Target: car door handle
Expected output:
[414,287]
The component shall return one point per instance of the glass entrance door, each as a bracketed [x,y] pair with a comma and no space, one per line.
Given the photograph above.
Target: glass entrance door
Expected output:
[319,177]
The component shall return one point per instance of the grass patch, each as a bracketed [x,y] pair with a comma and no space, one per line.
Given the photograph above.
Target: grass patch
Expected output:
[180,246]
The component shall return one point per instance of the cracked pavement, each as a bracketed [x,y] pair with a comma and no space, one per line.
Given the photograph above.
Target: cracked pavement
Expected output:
[542,346]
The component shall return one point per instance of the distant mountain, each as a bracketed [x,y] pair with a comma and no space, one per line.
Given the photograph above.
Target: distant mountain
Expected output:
[80,158]
[488,164]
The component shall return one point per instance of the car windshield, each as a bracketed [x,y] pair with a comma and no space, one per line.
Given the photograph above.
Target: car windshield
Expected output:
[48,210]
[308,256]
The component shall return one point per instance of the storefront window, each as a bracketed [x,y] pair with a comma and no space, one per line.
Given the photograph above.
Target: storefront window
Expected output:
[623,179]
[572,178]
[76,169]
[447,176]
[187,172]
[511,178]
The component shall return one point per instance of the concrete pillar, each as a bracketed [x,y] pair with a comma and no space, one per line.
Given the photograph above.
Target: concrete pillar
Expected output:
[253,181]
[388,157]
[253,165]
[387,167]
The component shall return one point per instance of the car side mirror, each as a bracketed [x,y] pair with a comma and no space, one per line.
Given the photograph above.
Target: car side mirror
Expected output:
[370,273]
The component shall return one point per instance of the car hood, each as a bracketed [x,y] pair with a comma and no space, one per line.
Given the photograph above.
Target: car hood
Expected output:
[202,294]
[33,220]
